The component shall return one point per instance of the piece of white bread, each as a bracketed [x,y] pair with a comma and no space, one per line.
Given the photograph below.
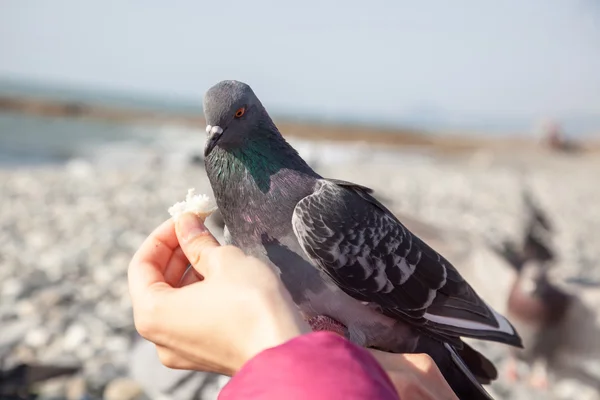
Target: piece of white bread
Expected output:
[199,204]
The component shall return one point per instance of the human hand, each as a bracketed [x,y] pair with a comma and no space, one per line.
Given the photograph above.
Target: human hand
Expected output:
[415,376]
[232,309]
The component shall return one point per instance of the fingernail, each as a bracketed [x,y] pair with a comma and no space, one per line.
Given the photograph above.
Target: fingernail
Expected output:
[190,226]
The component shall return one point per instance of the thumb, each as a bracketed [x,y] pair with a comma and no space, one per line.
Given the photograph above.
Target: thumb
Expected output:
[195,240]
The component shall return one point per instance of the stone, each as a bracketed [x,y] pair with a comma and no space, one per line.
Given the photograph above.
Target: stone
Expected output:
[37,337]
[76,388]
[75,336]
[13,332]
[117,344]
[85,351]
[12,288]
[123,389]
[568,389]
[52,389]
[35,280]
[26,308]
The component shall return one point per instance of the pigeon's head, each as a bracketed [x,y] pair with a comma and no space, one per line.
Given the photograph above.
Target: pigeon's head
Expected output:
[231,110]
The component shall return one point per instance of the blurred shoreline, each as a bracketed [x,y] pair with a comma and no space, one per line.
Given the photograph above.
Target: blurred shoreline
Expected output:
[448,142]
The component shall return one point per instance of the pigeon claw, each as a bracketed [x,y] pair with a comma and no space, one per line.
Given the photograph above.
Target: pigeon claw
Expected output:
[512,370]
[539,377]
[325,323]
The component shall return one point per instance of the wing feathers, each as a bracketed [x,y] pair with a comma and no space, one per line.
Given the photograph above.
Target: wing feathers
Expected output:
[371,256]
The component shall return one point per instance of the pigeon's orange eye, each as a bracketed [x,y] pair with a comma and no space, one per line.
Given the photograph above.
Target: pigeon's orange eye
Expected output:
[240,112]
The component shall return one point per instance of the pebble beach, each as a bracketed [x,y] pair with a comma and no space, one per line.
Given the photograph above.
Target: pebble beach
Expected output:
[68,231]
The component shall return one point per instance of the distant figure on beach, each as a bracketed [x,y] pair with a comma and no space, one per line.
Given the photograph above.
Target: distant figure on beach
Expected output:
[552,136]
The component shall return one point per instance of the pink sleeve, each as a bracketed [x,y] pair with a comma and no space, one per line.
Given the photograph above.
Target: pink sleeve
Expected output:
[316,366]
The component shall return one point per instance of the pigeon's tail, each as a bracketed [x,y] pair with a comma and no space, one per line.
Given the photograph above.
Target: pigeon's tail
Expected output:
[537,243]
[509,252]
[464,369]
[454,325]
[537,238]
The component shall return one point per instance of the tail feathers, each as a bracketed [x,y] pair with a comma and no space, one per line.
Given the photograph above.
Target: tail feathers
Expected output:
[481,334]
[536,214]
[465,370]
[537,244]
[470,387]
[460,326]
[482,368]
[509,252]
[537,238]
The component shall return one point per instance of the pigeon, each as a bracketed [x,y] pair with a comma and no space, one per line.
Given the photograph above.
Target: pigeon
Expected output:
[537,241]
[340,253]
[536,304]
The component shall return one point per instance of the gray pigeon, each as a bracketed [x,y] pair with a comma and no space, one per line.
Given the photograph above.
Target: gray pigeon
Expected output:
[340,252]
[536,304]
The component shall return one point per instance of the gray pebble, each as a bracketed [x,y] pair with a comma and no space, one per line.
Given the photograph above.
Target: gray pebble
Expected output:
[75,336]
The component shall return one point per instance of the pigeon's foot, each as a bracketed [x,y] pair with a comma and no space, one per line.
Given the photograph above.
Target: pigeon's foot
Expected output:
[538,382]
[512,370]
[325,323]
[539,377]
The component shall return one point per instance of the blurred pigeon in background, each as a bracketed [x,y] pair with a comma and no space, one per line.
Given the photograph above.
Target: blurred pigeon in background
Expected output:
[536,305]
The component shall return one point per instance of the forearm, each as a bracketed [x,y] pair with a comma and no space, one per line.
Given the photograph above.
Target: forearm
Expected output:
[318,366]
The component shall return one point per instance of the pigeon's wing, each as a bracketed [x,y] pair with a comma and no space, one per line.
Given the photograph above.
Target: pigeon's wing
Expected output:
[371,256]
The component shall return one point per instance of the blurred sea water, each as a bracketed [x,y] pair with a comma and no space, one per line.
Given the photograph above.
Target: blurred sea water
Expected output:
[29,140]
[26,140]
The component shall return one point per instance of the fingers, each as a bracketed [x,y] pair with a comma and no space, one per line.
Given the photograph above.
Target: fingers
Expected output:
[413,388]
[195,241]
[423,362]
[414,375]
[176,267]
[148,265]
[189,276]
[388,361]
[158,264]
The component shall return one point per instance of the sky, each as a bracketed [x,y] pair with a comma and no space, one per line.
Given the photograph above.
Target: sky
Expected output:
[459,61]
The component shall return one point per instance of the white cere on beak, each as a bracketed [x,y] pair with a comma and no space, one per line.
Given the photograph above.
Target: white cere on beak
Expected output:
[211,130]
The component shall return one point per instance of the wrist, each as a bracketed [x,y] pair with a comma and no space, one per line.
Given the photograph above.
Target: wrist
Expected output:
[278,321]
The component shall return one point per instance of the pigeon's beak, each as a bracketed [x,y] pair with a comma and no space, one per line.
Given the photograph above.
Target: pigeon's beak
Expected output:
[214,134]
